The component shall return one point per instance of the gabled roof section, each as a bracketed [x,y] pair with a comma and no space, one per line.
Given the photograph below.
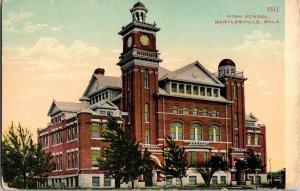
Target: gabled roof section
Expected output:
[193,73]
[104,105]
[59,106]
[162,72]
[100,82]
[251,117]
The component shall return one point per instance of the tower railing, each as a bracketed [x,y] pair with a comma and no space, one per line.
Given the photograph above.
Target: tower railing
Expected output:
[139,53]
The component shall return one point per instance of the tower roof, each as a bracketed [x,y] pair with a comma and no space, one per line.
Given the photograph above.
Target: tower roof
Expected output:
[226,62]
[139,4]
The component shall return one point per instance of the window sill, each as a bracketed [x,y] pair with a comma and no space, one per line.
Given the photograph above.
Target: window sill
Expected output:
[72,140]
[253,145]
[100,138]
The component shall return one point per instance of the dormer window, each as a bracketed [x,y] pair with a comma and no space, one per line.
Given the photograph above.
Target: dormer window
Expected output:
[208,93]
[181,88]
[195,90]
[174,87]
[202,91]
[216,93]
[188,89]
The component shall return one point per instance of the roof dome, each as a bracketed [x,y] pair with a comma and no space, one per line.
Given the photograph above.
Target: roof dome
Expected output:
[226,62]
[139,4]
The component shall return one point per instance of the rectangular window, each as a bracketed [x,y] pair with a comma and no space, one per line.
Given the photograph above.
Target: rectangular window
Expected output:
[173,132]
[174,87]
[192,158]
[223,179]
[76,159]
[192,133]
[110,113]
[216,93]
[256,139]
[192,180]
[208,92]
[251,179]
[195,90]
[146,112]
[69,133]
[223,156]
[107,181]
[234,91]
[202,91]
[258,179]
[102,112]
[181,88]
[199,134]
[205,156]
[169,181]
[236,120]
[236,141]
[95,130]
[217,134]
[188,89]
[214,180]
[68,160]
[60,162]
[95,156]
[147,136]
[146,79]
[249,137]
[95,181]
[180,133]
[210,134]
[73,159]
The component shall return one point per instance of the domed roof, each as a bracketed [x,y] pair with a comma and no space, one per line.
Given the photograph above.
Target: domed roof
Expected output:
[139,4]
[226,62]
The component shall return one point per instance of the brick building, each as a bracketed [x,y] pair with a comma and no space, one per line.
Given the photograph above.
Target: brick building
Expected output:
[202,111]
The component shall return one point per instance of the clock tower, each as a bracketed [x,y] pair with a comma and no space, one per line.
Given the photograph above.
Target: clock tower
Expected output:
[139,63]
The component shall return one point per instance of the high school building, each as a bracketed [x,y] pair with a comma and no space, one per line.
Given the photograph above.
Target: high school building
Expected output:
[202,111]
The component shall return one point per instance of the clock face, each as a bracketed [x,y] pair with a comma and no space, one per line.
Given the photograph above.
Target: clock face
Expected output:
[144,40]
[129,42]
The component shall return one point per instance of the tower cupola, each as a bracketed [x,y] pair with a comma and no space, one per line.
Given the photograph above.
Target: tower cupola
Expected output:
[226,68]
[138,12]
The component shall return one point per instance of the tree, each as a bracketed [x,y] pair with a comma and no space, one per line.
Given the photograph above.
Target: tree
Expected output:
[122,160]
[208,168]
[22,160]
[175,160]
[251,164]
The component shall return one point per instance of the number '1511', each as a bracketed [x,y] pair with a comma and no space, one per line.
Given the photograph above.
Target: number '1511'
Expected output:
[272,9]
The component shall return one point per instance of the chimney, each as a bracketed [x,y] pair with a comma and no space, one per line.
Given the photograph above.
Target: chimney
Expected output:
[100,71]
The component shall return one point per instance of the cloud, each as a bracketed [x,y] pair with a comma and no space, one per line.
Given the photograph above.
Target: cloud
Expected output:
[257,35]
[56,28]
[30,28]
[49,55]
[13,23]
[14,17]
[257,47]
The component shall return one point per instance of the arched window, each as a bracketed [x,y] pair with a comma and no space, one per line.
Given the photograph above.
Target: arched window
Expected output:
[214,113]
[205,112]
[195,111]
[176,131]
[175,109]
[186,110]
[214,133]
[196,132]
